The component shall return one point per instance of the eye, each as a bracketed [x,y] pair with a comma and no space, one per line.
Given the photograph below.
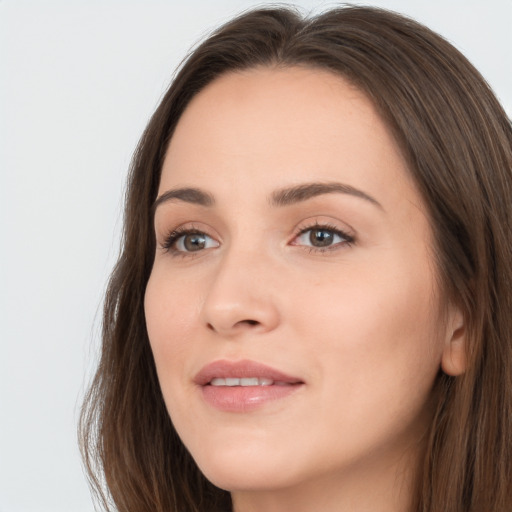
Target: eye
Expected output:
[322,237]
[187,241]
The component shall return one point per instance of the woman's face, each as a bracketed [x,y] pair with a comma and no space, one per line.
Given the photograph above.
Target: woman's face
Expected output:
[293,307]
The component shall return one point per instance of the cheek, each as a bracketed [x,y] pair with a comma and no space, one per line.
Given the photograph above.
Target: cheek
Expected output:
[170,317]
[379,359]
[170,302]
[172,320]
[368,305]
[378,330]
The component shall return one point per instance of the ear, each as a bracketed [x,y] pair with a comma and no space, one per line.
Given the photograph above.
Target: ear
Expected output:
[454,358]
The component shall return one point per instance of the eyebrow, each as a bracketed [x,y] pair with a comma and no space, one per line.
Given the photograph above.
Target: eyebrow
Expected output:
[292,195]
[186,194]
[282,197]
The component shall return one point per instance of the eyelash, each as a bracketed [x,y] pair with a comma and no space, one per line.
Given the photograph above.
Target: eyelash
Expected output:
[348,240]
[169,244]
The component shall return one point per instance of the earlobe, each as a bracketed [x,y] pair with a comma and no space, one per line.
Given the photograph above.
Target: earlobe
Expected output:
[454,358]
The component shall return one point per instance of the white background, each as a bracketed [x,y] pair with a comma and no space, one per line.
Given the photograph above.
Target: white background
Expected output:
[78,82]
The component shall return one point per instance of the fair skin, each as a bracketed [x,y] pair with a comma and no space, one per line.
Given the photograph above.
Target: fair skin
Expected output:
[335,286]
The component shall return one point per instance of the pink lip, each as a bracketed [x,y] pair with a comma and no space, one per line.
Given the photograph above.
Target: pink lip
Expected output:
[243,398]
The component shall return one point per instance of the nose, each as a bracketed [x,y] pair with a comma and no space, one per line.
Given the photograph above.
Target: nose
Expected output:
[241,297]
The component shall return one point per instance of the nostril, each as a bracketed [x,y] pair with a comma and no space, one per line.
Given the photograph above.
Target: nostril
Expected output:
[240,324]
[249,322]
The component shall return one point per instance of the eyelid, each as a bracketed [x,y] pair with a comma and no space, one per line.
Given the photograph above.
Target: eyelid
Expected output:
[347,235]
[171,236]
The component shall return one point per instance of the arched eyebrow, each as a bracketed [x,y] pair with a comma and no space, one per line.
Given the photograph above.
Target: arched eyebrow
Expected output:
[283,197]
[186,194]
[305,191]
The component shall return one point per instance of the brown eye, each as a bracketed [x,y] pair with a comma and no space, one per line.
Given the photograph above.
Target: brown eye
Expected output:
[321,237]
[189,241]
[194,241]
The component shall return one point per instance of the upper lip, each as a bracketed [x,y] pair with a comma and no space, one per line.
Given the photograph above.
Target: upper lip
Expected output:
[241,369]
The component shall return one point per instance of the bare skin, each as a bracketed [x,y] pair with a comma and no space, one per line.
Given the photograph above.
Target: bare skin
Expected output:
[332,283]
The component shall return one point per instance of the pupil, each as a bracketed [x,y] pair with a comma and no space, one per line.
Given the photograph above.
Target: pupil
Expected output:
[320,237]
[194,242]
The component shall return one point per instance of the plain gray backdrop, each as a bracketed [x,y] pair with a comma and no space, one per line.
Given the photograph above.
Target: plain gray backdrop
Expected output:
[78,82]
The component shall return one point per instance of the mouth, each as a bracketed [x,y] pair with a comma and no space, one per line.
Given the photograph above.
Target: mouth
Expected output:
[242,386]
[242,373]
[244,382]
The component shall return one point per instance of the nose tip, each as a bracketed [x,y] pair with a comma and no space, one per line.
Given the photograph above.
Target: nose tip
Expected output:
[243,316]
[239,302]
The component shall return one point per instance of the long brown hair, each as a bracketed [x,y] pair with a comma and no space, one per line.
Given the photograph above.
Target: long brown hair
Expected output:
[458,142]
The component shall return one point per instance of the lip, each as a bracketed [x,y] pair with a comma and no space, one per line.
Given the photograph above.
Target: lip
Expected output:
[244,398]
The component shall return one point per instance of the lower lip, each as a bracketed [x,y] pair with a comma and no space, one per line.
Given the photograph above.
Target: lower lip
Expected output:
[245,398]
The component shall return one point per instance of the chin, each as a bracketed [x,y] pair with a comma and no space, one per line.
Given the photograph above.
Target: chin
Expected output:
[233,470]
[247,480]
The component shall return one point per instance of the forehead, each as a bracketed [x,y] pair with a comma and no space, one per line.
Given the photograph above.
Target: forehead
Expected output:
[275,127]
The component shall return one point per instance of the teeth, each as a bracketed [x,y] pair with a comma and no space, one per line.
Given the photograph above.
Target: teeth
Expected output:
[245,381]
[253,381]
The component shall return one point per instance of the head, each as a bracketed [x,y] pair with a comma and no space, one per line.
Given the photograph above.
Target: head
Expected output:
[450,143]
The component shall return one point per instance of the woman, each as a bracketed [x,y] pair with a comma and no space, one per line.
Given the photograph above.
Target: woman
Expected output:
[311,310]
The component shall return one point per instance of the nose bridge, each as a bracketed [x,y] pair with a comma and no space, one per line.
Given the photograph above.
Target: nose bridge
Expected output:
[239,296]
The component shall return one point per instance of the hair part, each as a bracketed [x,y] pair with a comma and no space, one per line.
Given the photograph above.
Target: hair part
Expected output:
[458,143]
